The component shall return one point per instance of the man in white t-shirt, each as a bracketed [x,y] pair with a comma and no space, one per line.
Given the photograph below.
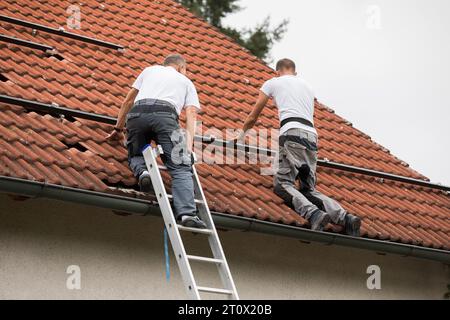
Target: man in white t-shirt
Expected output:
[151,111]
[298,150]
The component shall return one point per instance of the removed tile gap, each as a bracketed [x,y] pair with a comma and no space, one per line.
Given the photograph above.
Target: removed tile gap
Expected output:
[3,78]
[77,146]
[57,56]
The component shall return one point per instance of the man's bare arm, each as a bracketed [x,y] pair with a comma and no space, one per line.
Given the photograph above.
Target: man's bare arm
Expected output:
[191,122]
[254,115]
[126,106]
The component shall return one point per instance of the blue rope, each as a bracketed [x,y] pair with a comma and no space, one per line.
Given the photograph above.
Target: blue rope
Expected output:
[166,254]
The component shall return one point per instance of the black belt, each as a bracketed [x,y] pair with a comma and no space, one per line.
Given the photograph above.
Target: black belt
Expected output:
[300,120]
[152,106]
[151,102]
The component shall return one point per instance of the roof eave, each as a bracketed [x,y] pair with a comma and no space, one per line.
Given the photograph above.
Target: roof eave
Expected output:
[122,204]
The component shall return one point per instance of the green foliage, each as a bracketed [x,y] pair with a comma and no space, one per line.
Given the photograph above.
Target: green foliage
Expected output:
[212,11]
[258,40]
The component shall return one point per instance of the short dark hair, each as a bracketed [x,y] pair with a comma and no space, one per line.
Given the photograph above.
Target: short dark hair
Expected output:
[174,59]
[286,64]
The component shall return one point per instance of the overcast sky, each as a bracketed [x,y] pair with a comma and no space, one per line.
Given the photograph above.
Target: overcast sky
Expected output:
[384,65]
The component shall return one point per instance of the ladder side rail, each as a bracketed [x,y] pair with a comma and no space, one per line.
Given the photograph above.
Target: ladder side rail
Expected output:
[171,225]
[216,246]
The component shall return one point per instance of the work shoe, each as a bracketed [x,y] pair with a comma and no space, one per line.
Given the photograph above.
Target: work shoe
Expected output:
[145,182]
[319,220]
[193,222]
[352,225]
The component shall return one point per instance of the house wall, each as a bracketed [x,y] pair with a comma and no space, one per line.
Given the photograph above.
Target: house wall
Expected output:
[123,258]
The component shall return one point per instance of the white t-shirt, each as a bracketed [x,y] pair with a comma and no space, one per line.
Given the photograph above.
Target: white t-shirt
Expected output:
[294,99]
[166,83]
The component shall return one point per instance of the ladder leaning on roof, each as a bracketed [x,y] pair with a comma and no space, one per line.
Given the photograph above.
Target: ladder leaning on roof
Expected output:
[174,230]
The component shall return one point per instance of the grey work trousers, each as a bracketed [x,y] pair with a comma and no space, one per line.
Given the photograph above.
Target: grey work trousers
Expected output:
[164,129]
[298,161]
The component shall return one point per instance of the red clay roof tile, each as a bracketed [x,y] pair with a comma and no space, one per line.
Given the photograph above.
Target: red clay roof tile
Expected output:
[95,79]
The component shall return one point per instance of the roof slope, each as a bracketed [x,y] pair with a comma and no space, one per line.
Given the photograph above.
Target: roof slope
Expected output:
[72,152]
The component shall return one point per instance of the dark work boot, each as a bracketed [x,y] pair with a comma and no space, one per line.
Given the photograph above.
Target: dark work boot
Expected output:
[192,222]
[145,182]
[352,225]
[319,220]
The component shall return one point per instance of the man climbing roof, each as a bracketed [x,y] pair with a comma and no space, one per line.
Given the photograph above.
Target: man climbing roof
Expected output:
[156,100]
[299,150]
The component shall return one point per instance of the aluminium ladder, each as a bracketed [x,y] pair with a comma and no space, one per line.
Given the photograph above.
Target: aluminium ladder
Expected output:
[174,230]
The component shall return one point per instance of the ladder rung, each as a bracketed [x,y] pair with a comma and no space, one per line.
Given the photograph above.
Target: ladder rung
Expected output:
[195,230]
[204,259]
[161,168]
[214,290]
[196,201]
[155,168]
